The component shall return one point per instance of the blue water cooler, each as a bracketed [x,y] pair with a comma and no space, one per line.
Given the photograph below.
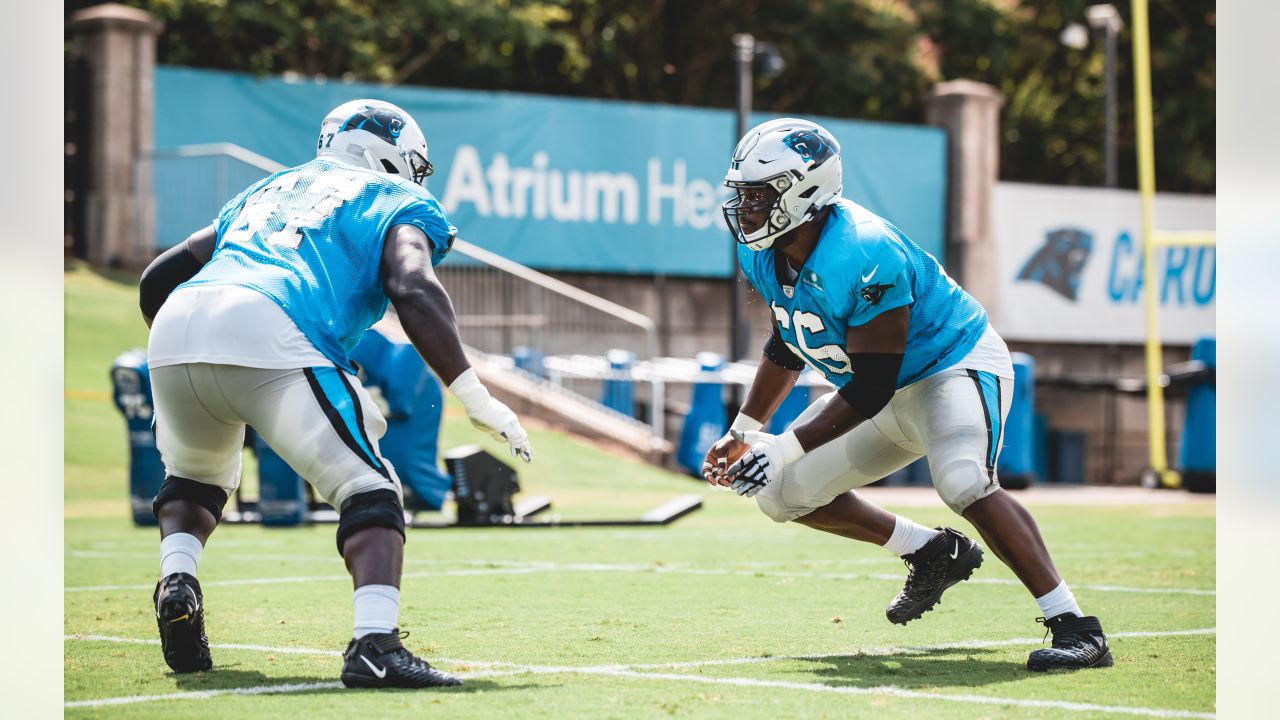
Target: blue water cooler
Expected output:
[619,393]
[131,391]
[529,360]
[706,422]
[1198,452]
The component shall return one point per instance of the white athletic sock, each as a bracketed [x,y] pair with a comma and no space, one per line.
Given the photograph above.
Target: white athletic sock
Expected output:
[377,609]
[908,536]
[179,552]
[1059,600]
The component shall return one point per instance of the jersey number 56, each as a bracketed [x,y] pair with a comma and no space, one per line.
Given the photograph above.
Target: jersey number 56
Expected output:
[824,358]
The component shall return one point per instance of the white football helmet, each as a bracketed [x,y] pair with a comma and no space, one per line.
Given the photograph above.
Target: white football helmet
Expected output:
[799,161]
[376,135]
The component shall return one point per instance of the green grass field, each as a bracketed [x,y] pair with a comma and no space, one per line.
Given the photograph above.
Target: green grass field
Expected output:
[723,614]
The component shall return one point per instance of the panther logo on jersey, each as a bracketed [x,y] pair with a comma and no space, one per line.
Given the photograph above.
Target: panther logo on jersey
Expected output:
[875,292]
[811,145]
[381,122]
[1059,264]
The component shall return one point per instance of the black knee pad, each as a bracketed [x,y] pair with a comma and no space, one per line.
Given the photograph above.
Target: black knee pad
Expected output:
[375,508]
[209,497]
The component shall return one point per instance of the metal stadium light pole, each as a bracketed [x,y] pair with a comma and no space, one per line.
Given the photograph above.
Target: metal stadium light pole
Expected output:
[745,51]
[1105,19]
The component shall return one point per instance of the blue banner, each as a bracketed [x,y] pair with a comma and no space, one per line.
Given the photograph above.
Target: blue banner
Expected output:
[558,183]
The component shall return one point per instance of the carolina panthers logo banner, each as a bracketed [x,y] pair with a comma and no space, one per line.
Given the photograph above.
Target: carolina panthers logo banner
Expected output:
[812,146]
[1070,267]
[382,123]
[1059,264]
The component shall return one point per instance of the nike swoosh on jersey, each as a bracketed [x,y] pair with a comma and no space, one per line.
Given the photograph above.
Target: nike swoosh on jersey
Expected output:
[868,276]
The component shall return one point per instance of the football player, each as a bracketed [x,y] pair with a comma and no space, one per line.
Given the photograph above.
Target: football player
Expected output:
[918,370]
[252,320]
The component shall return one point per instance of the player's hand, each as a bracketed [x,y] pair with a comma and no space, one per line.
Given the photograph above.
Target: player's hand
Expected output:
[489,414]
[763,461]
[502,424]
[726,450]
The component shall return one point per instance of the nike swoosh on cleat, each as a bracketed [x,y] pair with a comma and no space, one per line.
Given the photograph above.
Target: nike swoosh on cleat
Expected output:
[380,672]
[868,276]
[180,619]
[956,550]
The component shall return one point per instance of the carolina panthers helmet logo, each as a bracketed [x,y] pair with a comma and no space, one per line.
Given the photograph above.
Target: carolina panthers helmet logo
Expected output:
[382,123]
[811,145]
[1059,264]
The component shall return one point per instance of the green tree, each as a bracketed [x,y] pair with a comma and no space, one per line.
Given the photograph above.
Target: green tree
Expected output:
[863,59]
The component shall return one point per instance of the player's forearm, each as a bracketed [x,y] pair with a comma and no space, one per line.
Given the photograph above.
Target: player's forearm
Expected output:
[426,314]
[768,389]
[836,419]
[874,382]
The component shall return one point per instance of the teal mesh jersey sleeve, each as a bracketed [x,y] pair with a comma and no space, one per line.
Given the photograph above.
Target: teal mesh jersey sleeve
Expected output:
[882,283]
[423,211]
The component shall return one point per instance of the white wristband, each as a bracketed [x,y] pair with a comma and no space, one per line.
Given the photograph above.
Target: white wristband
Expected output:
[746,423]
[791,448]
[467,388]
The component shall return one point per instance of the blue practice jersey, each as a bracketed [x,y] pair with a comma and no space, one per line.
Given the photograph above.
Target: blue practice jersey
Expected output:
[861,267]
[310,238]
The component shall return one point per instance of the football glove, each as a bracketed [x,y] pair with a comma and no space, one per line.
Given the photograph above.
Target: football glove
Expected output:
[490,415]
[742,423]
[763,462]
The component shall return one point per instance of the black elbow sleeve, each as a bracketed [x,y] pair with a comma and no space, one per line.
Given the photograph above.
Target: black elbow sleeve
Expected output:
[777,352]
[875,380]
[172,268]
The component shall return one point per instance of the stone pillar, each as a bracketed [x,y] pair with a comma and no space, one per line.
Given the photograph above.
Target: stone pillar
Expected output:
[117,47]
[970,112]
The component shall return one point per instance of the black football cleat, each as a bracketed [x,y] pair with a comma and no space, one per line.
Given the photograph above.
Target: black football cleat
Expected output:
[943,561]
[180,617]
[1078,642]
[379,660]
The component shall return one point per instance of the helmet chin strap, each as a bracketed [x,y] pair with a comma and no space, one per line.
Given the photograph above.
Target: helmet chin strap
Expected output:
[788,236]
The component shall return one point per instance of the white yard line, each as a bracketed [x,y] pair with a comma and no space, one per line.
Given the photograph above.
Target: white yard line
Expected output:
[336,560]
[281,650]
[517,568]
[205,694]
[889,690]
[903,650]
[894,691]
[221,646]
[884,650]
[324,578]
[636,671]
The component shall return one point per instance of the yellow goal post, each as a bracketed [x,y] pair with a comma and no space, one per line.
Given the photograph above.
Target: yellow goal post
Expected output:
[1158,470]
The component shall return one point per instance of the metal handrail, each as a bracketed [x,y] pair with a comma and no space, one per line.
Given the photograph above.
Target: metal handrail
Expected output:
[231,150]
[680,371]
[556,286]
[657,409]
